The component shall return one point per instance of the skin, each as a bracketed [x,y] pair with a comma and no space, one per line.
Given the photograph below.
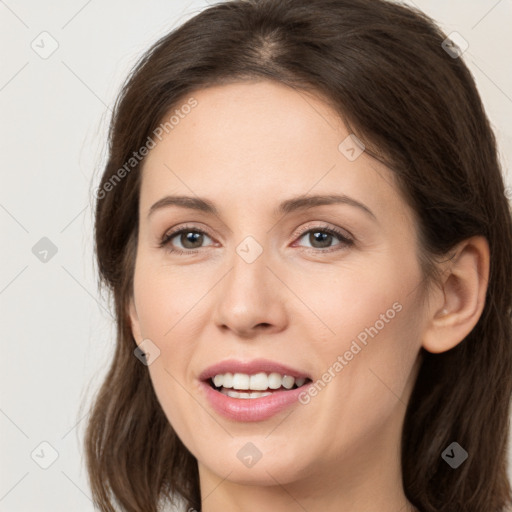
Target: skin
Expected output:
[246,147]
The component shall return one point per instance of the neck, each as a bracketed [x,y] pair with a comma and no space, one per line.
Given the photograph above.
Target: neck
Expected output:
[303,496]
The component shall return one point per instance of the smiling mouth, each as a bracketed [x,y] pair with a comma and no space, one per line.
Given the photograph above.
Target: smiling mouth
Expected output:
[259,385]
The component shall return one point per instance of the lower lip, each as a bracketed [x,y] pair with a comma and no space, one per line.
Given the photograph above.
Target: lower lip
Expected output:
[251,409]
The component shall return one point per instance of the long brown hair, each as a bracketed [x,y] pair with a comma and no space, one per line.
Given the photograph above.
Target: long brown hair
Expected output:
[385,70]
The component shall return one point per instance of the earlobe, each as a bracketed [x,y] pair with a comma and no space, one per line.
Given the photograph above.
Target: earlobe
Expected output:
[134,321]
[457,310]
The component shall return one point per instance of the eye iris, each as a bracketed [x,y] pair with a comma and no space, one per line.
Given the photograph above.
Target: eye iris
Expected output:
[323,238]
[191,236]
[194,239]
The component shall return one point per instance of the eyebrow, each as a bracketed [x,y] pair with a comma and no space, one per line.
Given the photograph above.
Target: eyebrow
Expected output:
[289,205]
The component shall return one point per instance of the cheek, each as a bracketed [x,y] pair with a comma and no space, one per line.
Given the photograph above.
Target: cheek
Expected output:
[168,308]
[359,300]
[166,300]
[370,340]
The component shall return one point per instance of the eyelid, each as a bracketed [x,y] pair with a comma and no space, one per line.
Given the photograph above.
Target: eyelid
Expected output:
[343,233]
[170,234]
[346,238]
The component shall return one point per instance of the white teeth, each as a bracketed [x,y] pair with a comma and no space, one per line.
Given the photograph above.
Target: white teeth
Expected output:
[288,382]
[228,380]
[240,381]
[257,382]
[236,394]
[274,381]
[258,395]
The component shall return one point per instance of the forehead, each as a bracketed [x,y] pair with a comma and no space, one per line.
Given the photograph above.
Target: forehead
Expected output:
[247,120]
[254,141]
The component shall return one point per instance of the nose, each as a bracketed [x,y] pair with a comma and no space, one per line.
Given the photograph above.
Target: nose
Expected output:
[251,299]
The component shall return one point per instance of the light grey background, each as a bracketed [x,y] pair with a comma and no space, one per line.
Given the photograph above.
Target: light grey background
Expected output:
[57,333]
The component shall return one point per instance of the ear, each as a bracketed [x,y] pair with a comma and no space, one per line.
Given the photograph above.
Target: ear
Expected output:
[134,321]
[458,305]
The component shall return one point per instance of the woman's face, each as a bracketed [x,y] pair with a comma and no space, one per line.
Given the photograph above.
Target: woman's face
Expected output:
[264,285]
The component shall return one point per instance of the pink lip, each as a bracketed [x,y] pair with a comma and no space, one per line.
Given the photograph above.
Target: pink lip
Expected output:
[250,409]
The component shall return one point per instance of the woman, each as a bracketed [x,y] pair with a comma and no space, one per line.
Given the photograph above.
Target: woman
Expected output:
[304,226]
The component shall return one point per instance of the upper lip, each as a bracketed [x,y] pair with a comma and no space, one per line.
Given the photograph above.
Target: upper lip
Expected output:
[250,367]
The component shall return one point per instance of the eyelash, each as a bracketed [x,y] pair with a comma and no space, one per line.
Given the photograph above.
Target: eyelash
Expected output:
[347,242]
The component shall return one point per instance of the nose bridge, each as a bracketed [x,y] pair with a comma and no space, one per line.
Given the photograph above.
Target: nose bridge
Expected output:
[249,275]
[250,294]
